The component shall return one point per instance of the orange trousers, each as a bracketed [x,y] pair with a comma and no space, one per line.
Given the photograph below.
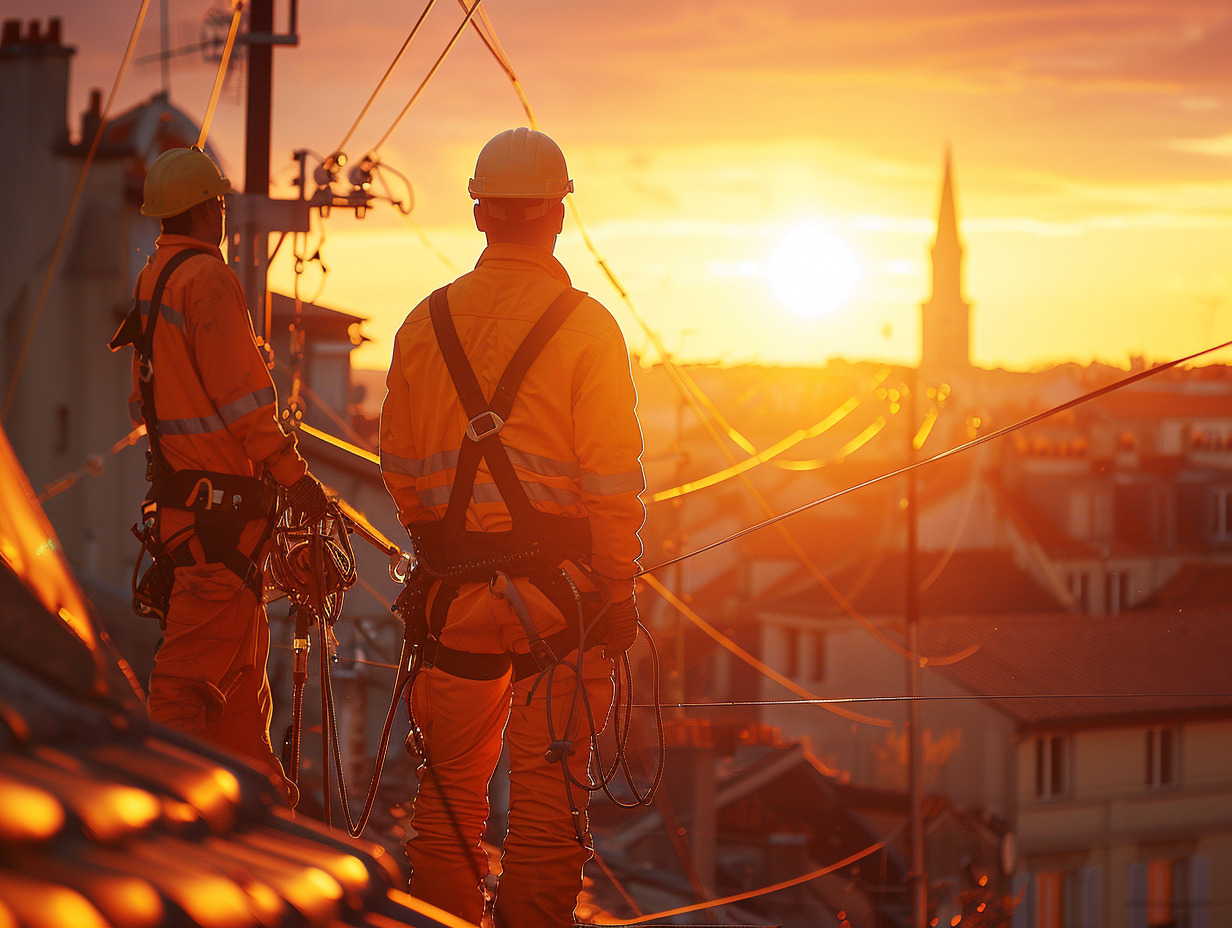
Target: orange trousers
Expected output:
[462,722]
[209,678]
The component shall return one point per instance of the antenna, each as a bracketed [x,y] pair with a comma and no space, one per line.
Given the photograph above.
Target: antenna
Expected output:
[212,38]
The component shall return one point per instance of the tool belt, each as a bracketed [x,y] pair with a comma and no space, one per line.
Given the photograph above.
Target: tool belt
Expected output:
[446,560]
[222,505]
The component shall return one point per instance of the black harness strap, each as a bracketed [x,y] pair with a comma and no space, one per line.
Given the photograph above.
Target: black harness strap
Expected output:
[144,345]
[487,418]
[222,503]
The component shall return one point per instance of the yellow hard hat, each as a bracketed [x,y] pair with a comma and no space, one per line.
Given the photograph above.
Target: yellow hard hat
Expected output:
[178,180]
[520,164]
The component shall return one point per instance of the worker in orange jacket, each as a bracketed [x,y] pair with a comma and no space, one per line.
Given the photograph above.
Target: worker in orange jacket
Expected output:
[512,451]
[217,461]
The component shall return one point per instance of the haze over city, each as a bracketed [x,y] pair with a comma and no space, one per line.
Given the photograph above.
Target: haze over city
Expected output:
[764,179]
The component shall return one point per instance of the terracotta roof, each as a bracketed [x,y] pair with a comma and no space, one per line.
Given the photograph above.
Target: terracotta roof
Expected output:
[109,819]
[1153,404]
[1197,585]
[283,307]
[969,583]
[1083,671]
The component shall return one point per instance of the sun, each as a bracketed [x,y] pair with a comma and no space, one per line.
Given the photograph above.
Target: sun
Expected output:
[812,271]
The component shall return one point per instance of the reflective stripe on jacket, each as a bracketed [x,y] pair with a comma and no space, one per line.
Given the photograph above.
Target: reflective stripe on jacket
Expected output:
[573,435]
[213,397]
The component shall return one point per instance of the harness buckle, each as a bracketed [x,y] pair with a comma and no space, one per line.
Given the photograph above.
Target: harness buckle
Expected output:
[145,369]
[484,425]
[542,653]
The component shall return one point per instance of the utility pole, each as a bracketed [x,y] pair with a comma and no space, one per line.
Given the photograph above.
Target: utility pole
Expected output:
[252,215]
[678,543]
[917,879]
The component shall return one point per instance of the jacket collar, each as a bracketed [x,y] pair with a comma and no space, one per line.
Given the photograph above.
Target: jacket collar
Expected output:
[174,243]
[523,257]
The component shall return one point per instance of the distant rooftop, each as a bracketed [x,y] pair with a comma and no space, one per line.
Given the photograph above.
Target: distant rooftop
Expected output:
[1082,670]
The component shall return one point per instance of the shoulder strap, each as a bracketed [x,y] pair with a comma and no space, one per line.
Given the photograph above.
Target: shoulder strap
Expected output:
[144,345]
[487,418]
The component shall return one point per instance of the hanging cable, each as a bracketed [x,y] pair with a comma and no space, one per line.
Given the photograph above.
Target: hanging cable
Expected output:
[237,8]
[677,603]
[92,467]
[74,200]
[431,73]
[765,890]
[773,451]
[957,449]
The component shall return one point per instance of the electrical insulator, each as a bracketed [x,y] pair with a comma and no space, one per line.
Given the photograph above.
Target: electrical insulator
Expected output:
[361,174]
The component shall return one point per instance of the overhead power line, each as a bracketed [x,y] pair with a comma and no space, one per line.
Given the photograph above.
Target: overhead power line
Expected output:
[385,77]
[431,73]
[957,449]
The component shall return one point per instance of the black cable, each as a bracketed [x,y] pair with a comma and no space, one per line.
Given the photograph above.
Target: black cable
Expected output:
[743,703]
[388,71]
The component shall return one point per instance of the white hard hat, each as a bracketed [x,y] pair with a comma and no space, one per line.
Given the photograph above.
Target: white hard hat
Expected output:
[520,164]
[178,180]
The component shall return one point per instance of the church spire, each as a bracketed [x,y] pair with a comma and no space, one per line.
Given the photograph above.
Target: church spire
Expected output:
[945,329]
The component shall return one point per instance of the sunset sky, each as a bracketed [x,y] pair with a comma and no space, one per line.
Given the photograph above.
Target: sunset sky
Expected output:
[763,177]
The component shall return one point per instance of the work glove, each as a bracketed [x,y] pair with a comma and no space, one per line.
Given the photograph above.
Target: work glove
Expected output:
[621,630]
[306,500]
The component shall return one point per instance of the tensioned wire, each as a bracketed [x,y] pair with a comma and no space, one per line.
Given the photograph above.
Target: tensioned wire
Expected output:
[470,13]
[385,78]
[861,700]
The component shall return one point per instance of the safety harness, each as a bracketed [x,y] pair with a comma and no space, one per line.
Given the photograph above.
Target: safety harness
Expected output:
[222,504]
[536,546]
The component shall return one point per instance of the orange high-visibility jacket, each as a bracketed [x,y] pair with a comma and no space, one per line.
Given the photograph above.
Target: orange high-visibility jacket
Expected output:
[214,401]
[572,436]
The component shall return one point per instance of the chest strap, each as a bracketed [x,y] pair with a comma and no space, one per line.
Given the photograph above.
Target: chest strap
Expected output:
[131,332]
[487,417]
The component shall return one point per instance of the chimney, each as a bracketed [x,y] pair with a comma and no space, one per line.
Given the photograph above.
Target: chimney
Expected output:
[53,31]
[689,783]
[92,117]
[12,33]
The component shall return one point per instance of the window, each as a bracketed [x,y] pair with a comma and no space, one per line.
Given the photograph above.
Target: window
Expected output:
[1117,584]
[60,445]
[1161,757]
[1221,514]
[1052,767]
[791,652]
[1057,901]
[1161,901]
[1080,589]
[1168,892]
[819,656]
